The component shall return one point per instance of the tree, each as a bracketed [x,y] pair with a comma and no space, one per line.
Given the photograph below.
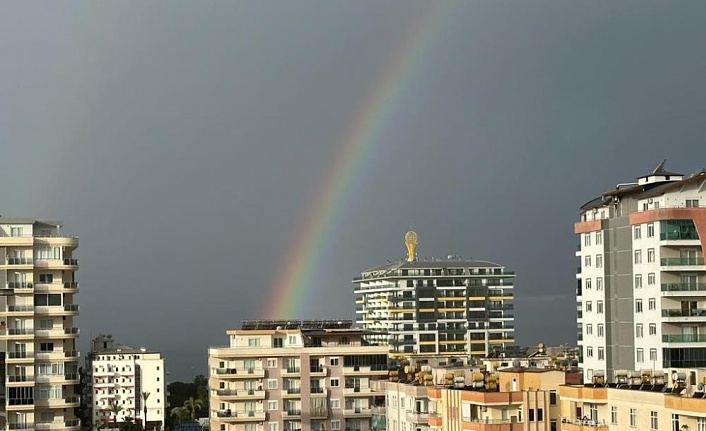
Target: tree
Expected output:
[145,395]
[193,404]
[181,414]
[115,409]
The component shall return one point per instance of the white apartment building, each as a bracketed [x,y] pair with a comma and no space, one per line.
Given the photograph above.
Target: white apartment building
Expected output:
[642,280]
[39,370]
[295,375]
[120,375]
[447,306]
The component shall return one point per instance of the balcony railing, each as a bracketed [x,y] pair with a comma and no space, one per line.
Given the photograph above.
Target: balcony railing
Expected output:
[70,307]
[19,308]
[19,260]
[71,331]
[221,371]
[678,235]
[19,285]
[70,285]
[20,425]
[20,378]
[292,370]
[681,261]
[676,312]
[684,338]
[683,287]
[19,355]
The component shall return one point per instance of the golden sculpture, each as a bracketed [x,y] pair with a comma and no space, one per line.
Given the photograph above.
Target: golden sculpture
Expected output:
[410,240]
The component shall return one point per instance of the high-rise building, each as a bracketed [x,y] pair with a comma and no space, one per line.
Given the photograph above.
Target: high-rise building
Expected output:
[294,375]
[39,373]
[642,280]
[436,306]
[123,382]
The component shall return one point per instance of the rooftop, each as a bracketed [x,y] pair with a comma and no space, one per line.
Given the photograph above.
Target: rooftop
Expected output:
[248,325]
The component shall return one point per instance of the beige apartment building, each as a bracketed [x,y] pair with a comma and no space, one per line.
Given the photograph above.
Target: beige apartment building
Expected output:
[295,375]
[39,372]
[642,400]
[458,398]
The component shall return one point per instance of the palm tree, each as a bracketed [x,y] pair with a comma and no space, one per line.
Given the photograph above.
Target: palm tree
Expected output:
[181,414]
[193,404]
[115,409]
[145,395]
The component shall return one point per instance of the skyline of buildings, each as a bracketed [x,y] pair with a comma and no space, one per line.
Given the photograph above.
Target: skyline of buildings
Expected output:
[641,290]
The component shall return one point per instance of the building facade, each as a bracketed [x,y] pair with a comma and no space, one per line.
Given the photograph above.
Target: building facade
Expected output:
[294,375]
[39,371]
[641,286]
[637,400]
[119,377]
[458,398]
[437,306]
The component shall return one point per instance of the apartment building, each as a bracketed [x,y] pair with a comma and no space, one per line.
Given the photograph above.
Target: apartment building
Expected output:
[295,375]
[121,377]
[456,397]
[39,371]
[436,306]
[637,400]
[641,283]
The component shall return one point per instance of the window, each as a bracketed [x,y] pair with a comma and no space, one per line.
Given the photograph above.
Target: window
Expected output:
[46,347]
[540,415]
[600,329]
[638,256]
[589,352]
[587,239]
[334,382]
[653,331]
[253,342]
[589,329]
[636,232]
[653,354]
[599,307]
[223,427]
[638,281]
[587,261]
[333,362]
[652,304]
[599,283]
[271,383]
[336,424]
[633,418]
[650,230]
[601,354]
[614,415]
[692,203]
[589,307]
[638,306]
[588,283]
[272,405]
[531,415]
[599,261]
[640,355]
[638,330]
[651,279]
[552,398]
[335,403]
[46,278]
[650,255]
[654,423]
[272,426]
[700,424]
[599,238]
[272,363]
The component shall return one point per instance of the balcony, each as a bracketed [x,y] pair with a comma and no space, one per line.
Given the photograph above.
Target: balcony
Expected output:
[568,424]
[240,415]
[19,378]
[20,285]
[292,414]
[21,355]
[20,425]
[319,371]
[684,316]
[493,425]
[291,393]
[240,394]
[684,338]
[419,417]
[683,289]
[56,240]
[318,392]
[19,261]
[682,264]
[19,310]
[225,372]
[354,412]
[291,371]
[378,370]
[71,285]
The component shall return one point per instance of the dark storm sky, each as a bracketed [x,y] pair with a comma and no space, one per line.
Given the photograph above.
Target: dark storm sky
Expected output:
[185,143]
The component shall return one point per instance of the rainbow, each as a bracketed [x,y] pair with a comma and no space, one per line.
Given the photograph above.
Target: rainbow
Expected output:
[294,285]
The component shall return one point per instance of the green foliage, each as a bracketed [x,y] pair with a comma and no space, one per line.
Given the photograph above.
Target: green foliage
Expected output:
[179,393]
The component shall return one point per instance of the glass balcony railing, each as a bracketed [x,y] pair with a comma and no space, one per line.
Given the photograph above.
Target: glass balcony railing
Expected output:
[678,235]
[676,312]
[683,287]
[681,261]
[684,338]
